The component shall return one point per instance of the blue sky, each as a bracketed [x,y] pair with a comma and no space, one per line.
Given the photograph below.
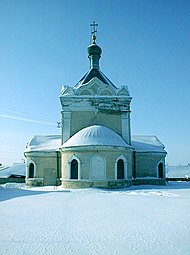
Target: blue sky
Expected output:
[146,46]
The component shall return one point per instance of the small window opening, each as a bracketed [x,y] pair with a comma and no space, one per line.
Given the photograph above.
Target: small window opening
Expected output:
[120,169]
[31,170]
[160,170]
[74,169]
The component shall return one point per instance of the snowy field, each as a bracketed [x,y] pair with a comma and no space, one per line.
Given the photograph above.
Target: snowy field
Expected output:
[53,221]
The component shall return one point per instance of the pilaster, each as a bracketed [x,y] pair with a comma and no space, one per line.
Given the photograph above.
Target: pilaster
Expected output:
[66,126]
[126,129]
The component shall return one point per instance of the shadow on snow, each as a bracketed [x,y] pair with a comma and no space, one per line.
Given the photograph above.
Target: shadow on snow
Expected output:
[170,185]
[10,193]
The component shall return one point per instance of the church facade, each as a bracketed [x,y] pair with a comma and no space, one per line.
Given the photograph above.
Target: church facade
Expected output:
[95,148]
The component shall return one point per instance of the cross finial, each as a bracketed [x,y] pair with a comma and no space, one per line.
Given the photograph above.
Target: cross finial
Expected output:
[93,31]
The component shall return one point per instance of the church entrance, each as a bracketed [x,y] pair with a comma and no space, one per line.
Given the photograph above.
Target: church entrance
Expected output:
[74,169]
[98,168]
[160,170]
[120,169]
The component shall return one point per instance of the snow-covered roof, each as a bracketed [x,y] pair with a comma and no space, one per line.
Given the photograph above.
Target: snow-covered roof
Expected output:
[179,171]
[147,143]
[15,169]
[44,143]
[95,135]
[95,73]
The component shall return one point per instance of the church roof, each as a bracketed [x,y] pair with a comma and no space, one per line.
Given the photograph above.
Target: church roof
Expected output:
[94,55]
[44,143]
[95,135]
[147,143]
[94,79]
[94,73]
[17,169]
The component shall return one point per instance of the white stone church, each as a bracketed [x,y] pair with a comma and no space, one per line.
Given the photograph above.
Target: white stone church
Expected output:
[95,148]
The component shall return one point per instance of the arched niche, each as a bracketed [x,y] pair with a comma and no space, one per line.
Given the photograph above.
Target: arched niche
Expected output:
[98,167]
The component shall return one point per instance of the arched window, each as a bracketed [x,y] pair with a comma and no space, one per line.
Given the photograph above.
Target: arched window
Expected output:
[160,170]
[120,169]
[31,171]
[74,169]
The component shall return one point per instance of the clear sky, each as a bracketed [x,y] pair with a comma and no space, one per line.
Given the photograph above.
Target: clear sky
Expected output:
[146,46]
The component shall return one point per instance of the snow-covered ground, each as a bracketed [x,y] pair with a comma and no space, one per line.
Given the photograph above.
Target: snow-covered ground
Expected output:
[53,221]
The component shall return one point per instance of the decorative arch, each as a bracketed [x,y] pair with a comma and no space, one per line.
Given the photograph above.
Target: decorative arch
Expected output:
[31,169]
[121,168]
[74,168]
[123,91]
[66,90]
[85,92]
[98,167]
[160,169]
[105,91]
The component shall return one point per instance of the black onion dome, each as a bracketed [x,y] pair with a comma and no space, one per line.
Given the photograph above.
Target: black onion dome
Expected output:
[94,49]
[94,54]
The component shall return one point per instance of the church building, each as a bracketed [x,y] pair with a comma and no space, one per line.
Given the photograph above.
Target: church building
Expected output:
[95,148]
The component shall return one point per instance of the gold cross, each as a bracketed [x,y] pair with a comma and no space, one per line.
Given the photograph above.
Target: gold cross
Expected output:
[93,31]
